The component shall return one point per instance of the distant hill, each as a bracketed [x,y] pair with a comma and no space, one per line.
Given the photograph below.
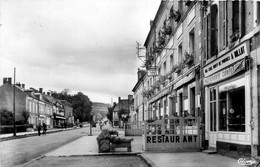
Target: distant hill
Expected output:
[100,108]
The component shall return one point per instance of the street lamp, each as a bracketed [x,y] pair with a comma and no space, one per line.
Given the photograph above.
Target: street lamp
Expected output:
[90,124]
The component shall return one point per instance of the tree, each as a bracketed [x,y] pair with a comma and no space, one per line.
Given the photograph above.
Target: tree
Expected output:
[123,114]
[80,103]
[82,107]
[26,116]
[6,117]
[110,112]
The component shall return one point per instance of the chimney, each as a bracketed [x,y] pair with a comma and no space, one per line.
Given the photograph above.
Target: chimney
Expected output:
[151,23]
[7,81]
[119,99]
[48,93]
[40,90]
[130,97]
[23,86]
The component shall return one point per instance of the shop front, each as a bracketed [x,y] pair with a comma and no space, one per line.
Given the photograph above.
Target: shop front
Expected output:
[227,103]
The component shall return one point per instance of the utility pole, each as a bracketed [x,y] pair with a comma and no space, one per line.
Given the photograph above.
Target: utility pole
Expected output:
[14,104]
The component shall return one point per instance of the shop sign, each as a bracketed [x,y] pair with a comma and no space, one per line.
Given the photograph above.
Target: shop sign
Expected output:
[236,54]
[171,139]
[152,72]
[226,73]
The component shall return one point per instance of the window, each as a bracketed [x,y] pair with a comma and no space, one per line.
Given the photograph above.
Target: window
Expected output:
[180,52]
[235,14]
[214,30]
[232,108]
[191,41]
[258,13]
[171,60]
[180,105]
[213,102]
[192,101]
[164,67]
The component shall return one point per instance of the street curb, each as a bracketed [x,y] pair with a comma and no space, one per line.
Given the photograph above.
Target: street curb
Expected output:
[149,162]
[35,159]
[101,154]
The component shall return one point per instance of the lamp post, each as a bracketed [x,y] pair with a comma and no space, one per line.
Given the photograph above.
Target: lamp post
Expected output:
[90,124]
[14,104]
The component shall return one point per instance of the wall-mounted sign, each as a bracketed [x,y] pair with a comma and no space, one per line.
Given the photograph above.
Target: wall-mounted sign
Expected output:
[152,72]
[236,54]
[226,73]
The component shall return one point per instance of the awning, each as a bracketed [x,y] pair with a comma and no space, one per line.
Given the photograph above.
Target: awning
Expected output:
[60,117]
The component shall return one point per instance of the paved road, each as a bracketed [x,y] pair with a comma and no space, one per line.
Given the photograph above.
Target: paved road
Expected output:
[90,161]
[19,151]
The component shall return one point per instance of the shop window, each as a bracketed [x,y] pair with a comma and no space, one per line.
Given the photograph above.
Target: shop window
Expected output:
[232,109]
[213,114]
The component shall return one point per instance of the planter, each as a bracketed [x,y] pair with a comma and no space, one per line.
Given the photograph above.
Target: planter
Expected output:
[104,145]
[120,145]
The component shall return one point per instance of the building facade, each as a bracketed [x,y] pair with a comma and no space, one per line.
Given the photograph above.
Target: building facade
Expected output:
[231,78]
[173,56]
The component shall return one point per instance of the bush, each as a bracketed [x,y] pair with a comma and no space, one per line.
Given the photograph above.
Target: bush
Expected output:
[106,134]
[19,128]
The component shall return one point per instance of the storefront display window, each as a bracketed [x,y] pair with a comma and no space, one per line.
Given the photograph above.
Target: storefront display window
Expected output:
[232,107]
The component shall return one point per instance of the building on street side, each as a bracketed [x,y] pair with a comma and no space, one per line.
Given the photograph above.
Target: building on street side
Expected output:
[231,78]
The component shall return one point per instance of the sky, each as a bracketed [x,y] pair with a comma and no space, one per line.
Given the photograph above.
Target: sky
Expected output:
[81,45]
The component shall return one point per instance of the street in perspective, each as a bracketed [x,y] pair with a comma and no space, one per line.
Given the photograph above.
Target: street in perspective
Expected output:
[156,83]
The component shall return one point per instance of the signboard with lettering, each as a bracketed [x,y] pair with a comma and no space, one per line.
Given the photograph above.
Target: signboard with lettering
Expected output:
[181,134]
[233,56]
[225,73]
[152,72]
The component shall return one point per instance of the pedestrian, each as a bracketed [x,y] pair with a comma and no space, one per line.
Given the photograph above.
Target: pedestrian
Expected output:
[39,128]
[44,128]
[65,125]
[100,125]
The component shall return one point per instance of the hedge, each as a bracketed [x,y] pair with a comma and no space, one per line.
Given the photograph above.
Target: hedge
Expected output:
[19,128]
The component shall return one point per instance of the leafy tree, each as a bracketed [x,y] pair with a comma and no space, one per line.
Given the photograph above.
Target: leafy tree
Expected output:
[6,117]
[81,104]
[26,116]
[110,112]
[123,114]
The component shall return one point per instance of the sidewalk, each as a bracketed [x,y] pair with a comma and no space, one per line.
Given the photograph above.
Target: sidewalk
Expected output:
[26,134]
[87,146]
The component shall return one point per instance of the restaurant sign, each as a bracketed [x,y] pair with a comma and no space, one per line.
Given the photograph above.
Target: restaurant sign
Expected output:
[226,73]
[171,139]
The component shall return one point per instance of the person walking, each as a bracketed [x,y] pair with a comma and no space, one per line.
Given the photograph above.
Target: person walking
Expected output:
[39,128]
[100,125]
[44,128]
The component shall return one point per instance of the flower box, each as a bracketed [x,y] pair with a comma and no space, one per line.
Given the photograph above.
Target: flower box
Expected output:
[104,145]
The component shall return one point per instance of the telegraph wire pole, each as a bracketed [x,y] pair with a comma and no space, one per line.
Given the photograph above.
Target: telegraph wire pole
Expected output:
[14,104]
